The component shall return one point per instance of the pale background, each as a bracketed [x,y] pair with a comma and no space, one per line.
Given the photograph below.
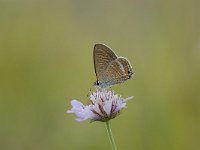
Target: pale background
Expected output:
[46,61]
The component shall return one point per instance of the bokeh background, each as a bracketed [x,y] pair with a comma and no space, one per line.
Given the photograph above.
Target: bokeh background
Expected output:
[46,61]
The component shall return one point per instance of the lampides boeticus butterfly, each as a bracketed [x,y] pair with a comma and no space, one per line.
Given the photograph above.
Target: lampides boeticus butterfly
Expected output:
[109,68]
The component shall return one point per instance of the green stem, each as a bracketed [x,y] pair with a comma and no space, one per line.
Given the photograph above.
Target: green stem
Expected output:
[112,141]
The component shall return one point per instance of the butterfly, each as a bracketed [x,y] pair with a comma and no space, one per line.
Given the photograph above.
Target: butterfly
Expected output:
[109,68]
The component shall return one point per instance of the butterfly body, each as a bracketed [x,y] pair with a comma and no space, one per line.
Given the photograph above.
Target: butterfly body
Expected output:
[109,68]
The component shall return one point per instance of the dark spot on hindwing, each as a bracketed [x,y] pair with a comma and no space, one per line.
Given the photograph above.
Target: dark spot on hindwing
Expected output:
[129,74]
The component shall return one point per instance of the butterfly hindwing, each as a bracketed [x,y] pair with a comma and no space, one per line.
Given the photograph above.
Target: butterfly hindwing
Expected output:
[126,67]
[118,71]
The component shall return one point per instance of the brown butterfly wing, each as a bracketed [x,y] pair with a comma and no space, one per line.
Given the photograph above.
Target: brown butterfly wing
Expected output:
[118,71]
[128,71]
[103,56]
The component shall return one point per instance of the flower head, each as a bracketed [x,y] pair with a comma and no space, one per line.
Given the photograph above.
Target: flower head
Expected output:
[104,105]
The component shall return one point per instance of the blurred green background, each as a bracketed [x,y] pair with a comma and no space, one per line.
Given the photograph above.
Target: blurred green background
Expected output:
[46,61]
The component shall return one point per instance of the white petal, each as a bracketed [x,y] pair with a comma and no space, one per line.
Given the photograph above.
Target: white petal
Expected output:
[107,107]
[78,110]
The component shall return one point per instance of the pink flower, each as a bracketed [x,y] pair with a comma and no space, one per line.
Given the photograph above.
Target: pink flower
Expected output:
[104,105]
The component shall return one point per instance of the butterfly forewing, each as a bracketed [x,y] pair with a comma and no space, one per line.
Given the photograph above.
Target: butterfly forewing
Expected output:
[103,56]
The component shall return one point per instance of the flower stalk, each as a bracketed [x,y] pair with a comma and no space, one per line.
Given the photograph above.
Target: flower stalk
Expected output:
[111,138]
